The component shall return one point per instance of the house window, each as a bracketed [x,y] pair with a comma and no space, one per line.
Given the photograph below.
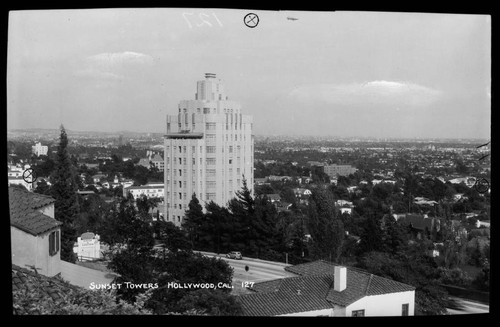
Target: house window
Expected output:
[405,309]
[54,243]
[358,313]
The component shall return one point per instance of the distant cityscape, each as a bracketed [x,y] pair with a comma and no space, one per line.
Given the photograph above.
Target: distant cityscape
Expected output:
[323,214]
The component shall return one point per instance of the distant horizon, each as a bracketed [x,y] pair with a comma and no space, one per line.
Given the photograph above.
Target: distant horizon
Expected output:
[259,135]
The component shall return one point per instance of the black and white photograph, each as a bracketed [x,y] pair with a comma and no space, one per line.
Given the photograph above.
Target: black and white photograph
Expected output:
[191,161]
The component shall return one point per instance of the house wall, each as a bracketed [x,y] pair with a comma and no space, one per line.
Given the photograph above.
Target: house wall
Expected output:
[384,305]
[48,210]
[33,250]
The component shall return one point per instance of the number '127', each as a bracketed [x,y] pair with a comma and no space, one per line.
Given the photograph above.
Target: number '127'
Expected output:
[204,18]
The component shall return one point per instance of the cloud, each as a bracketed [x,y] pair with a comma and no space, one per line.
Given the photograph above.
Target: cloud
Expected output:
[387,93]
[114,59]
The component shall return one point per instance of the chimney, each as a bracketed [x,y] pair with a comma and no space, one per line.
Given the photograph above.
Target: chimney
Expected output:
[340,278]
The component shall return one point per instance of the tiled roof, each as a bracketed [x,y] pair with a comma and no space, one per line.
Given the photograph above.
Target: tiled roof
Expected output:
[288,295]
[53,287]
[24,212]
[315,282]
[157,157]
[359,283]
[418,221]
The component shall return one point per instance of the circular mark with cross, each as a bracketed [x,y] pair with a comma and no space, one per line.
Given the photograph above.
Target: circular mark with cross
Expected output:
[251,20]
[29,175]
[482,185]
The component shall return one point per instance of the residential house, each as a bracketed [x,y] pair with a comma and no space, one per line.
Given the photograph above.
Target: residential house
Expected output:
[340,203]
[98,177]
[322,288]
[145,162]
[424,201]
[283,206]
[35,234]
[260,181]
[85,193]
[274,197]
[15,176]
[480,223]
[302,194]
[156,191]
[352,189]
[273,178]
[35,241]
[347,210]
[305,180]
[469,181]
[88,247]
[158,162]
[344,206]
[459,197]
[421,223]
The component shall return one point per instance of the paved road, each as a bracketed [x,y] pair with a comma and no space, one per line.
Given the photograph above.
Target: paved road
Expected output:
[463,306]
[258,271]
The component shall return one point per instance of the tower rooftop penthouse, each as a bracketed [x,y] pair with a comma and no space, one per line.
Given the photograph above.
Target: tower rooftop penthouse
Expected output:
[208,149]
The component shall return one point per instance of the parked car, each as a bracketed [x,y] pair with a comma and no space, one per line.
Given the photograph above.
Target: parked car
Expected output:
[234,255]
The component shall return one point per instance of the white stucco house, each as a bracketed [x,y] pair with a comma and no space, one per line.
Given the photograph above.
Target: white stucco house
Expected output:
[35,234]
[88,247]
[322,288]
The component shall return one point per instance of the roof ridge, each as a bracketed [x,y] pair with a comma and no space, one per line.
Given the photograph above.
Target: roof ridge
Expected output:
[368,284]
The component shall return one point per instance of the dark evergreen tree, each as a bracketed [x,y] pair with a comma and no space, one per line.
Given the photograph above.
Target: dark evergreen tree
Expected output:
[64,191]
[193,219]
[326,229]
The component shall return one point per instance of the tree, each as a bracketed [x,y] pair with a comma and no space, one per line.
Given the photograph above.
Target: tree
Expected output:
[64,191]
[126,226]
[42,187]
[414,268]
[189,267]
[193,219]
[326,229]
[172,237]
[245,198]
[93,210]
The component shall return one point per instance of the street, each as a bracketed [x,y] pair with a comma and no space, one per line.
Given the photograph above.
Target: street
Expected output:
[258,271]
[462,306]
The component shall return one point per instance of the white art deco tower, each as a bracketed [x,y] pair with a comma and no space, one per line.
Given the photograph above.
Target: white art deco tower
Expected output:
[208,150]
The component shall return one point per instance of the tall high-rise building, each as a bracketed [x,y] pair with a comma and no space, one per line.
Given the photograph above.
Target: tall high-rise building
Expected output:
[208,150]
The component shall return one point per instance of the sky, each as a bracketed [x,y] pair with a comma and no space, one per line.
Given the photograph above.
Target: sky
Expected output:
[345,74]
